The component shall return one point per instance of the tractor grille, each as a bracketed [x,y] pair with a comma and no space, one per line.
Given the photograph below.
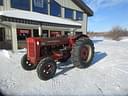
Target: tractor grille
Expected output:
[31,50]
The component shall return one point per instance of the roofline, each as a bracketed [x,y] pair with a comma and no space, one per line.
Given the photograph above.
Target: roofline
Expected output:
[34,22]
[84,7]
[36,19]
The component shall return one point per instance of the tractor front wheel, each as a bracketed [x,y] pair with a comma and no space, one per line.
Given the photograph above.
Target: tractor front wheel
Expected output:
[82,53]
[26,65]
[46,68]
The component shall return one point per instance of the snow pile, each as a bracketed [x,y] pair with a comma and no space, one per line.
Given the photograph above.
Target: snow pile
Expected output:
[22,50]
[6,53]
[125,39]
[98,38]
[107,76]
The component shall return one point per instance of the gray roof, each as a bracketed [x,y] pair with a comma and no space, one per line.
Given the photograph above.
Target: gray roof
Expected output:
[20,16]
[84,7]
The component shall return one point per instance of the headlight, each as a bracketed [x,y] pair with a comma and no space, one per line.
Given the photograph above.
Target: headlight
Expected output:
[38,43]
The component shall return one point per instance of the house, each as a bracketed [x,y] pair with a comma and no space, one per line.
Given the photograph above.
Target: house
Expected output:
[20,19]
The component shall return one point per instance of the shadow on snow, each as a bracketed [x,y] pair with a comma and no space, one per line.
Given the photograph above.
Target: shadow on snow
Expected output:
[64,67]
[67,66]
[97,41]
[98,56]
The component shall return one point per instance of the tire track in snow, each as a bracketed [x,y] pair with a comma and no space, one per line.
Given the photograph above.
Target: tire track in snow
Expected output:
[110,85]
[100,89]
[121,70]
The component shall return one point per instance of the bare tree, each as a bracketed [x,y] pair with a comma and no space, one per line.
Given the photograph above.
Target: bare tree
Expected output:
[117,32]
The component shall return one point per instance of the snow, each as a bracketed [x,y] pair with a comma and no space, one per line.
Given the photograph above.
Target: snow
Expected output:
[37,17]
[125,39]
[107,76]
[5,53]
[98,38]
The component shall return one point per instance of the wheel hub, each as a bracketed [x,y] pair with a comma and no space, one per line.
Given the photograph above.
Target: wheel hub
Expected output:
[84,54]
[48,69]
[29,64]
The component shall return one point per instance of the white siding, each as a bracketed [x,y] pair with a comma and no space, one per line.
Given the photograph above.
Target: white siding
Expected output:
[6,4]
[63,3]
[71,5]
[84,24]
[68,4]
[1,8]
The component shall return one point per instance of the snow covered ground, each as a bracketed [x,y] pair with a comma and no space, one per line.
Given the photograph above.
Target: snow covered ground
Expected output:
[107,76]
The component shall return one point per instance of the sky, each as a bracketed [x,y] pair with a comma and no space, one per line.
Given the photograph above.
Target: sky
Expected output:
[107,14]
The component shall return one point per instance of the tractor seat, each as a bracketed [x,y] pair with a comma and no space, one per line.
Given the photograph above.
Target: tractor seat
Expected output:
[57,53]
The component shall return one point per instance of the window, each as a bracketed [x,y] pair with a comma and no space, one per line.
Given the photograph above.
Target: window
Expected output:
[79,15]
[2,34]
[67,33]
[69,13]
[55,33]
[78,33]
[1,2]
[44,33]
[22,34]
[40,6]
[35,33]
[55,8]
[21,4]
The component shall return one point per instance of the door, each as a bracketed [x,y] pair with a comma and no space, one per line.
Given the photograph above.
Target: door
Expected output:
[2,34]
[2,38]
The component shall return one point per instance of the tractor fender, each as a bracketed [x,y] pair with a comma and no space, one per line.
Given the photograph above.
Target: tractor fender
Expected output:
[81,36]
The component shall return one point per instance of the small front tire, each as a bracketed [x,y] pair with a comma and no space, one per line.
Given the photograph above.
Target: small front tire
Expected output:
[46,68]
[26,65]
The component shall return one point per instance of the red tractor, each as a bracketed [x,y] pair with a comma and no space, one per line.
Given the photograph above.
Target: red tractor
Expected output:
[43,53]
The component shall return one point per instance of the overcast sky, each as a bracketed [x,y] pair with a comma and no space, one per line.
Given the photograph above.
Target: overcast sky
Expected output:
[107,14]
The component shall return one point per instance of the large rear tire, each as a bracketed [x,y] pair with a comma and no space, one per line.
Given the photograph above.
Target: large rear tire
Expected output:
[46,68]
[26,65]
[82,53]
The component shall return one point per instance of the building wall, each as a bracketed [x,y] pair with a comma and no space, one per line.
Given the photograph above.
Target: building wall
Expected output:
[84,23]
[68,4]
[71,5]
[63,3]
[1,8]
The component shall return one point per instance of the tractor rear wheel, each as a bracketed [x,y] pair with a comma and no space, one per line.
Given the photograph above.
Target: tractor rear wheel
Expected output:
[26,65]
[46,68]
[82,53]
